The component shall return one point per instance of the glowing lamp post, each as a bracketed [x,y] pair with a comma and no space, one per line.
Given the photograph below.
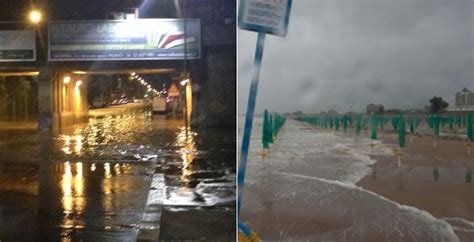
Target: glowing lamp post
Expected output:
[35,16]
[188,104]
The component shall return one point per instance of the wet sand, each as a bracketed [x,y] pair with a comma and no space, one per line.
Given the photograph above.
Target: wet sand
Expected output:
[438,180]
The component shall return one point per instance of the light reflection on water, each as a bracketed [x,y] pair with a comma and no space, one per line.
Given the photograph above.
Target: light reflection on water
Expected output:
[75,181]
[72,186]
[92,181]
[185,140]
[99,132]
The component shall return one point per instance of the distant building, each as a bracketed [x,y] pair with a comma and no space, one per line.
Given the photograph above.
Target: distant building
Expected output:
[464,101]
[378,109]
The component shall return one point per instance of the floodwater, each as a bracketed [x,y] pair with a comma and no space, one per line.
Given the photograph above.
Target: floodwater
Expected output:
[92,182]
[306,189]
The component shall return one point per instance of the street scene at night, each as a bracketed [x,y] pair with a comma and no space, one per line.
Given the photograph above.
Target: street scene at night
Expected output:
[117,120]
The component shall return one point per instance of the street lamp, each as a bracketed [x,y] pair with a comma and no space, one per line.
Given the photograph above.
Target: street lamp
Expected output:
[67,79]
[35,16]
[184,82]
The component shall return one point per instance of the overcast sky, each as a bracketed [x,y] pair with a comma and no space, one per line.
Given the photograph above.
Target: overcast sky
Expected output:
[343,53]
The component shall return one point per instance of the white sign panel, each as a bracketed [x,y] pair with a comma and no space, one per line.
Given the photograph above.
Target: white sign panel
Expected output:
[17,45]
[269,16]
[137,39]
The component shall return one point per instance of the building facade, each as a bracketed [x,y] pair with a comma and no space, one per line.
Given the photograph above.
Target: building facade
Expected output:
[464,101]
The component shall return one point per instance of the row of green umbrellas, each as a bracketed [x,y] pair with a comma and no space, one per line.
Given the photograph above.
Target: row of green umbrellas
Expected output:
[272,123]
[398,123]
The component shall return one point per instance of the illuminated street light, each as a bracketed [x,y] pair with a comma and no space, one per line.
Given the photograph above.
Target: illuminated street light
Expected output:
[78,83]
[133,74]
[183,83]
[67,79]
[35,16]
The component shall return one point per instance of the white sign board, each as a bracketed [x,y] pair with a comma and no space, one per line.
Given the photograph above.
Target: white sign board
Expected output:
[17,45]
[269,16]
[134,39]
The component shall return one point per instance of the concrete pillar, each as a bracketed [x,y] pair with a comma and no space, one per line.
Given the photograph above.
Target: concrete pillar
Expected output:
[219,91]
[45,101]
[3,98]
[69,99]
[61,103]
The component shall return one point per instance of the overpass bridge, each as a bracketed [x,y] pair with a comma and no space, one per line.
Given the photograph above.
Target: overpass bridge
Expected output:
[63,84]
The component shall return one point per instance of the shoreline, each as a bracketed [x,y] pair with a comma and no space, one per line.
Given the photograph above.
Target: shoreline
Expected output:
[437,180]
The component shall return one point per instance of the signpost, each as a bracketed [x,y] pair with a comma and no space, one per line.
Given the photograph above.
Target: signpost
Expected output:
[262,16]
[137,39]
[17,46]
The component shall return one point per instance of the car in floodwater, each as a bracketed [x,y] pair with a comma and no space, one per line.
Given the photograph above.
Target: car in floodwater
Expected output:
[98,103]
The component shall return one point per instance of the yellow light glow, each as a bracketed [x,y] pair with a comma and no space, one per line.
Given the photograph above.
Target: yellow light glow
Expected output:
[79,72]
[67,79]
[184,82]
[78,147]
[107,170]
[133,74]
[67,143]
[66,185]
[185,139]
[78,83]
[35,16]
[189,102]
[73,193]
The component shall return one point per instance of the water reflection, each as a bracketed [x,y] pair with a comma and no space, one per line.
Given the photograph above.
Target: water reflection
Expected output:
[108,174]
[185,140]
[72,187]
[100,132]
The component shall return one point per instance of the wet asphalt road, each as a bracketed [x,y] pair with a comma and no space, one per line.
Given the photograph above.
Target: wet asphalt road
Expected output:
[91,182]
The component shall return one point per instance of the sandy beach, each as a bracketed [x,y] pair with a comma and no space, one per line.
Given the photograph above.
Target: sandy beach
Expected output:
[318,185]
[437,180]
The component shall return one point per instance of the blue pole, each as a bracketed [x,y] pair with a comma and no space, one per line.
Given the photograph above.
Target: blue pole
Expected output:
[249,117]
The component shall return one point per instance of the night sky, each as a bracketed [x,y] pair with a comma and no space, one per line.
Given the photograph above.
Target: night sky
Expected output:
[85,9]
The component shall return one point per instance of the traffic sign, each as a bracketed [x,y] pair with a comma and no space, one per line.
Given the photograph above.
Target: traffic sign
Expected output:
[268,16]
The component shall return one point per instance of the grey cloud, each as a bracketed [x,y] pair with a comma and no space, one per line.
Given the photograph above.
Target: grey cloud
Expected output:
[395,52]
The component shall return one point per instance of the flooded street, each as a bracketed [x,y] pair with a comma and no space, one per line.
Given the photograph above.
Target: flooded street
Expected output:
[95,180]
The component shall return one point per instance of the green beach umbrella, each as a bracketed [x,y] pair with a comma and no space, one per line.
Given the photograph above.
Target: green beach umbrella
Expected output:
[344,123]
[270,129]
[357,125]
[451,122]
[401,131]
[469,128]
[265,129]
[373,126]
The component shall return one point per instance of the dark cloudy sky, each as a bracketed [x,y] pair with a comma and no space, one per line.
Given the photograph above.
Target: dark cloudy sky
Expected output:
[343,53]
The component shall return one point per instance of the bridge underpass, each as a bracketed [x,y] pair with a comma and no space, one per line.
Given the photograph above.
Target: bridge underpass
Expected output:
[60,99]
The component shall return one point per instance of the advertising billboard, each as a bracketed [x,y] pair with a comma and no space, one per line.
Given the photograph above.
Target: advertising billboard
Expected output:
[134,39]
[17,45]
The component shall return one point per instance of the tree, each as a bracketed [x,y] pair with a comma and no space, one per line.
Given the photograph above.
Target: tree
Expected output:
[437,104]
[298,113]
